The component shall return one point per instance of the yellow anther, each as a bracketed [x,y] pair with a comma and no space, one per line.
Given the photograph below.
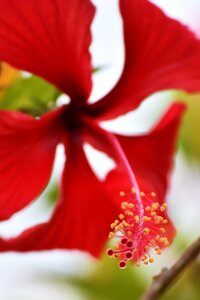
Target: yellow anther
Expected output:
[142,194]
[117,246]
[130,214]
[129,233]
[165,221]
[151,259]
[148,208]
[146,231]
[163,207]
[154,206]
[122,194]
[112,225]
[137,264]
[121,226]
[116,222]
[146,219]
[161,240]
[153,194]
[147,248]
[133,190]
[153,213]
[121,216]
[165,241]
[158,219]
[137,219]
[131,205]
[157,222]
[146,262]
[124,223]
[143,258]
[117,228]
[162,230]
[157,238]
[157,248]
[111,234]
[124,205]
[158,252]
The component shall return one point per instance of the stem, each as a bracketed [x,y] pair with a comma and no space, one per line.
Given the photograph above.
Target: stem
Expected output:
[162,281]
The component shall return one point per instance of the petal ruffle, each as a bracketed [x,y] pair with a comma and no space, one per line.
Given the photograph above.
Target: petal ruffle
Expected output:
[27,149]
[82,217]
[160,54]
[49,38]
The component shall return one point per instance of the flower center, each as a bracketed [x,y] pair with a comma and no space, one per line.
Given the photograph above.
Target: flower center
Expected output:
[72,117]
[138,231]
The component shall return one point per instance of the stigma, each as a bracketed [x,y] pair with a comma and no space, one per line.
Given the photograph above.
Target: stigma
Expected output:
[139,231]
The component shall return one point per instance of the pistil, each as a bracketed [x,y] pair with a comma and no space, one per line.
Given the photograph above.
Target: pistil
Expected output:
[137,234]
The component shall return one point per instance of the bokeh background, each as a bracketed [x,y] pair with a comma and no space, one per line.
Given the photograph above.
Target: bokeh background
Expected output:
[63,275]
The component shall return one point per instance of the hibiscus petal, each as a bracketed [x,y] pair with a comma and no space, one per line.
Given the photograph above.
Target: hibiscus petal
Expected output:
[82,217]
[160,54]
[151,156]
[49,38]
[27,149]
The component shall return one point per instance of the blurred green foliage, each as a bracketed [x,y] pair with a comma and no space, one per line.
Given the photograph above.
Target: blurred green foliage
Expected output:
[190,130]
[187,287]
[109,282]
[8,75]
[52,194]
[32,95]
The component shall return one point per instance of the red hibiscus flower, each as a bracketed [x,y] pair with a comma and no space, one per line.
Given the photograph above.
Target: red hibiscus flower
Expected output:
[50,38]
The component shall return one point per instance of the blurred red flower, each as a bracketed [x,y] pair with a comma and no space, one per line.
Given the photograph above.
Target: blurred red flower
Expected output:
[50,38]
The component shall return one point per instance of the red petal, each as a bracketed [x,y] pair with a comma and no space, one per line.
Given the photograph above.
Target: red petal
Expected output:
[27,148]
[86,209]
[49,38]
[82,217]
[151,155]
[160,54]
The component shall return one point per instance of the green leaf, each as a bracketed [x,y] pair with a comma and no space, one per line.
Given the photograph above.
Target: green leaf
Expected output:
[7,76]
[32,95]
